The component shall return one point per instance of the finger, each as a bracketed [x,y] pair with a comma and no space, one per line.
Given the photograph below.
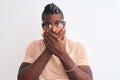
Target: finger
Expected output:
[62,30]
[61,34]
[47,43]
[48,38]
[52,36]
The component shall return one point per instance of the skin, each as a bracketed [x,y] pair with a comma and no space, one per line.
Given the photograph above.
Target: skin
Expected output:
[54,45]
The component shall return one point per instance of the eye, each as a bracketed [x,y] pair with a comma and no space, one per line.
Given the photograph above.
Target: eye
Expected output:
[47,25]
[59,24]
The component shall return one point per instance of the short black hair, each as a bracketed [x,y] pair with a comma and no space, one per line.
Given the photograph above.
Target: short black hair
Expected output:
[51,9]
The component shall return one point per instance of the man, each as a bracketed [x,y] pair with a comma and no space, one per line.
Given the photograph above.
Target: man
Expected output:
[54,57]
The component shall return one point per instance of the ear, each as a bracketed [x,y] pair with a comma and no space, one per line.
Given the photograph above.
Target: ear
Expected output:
[64,24]
[42,24]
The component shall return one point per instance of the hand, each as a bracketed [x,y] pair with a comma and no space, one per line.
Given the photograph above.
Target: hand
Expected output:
[61,34]
[54,43]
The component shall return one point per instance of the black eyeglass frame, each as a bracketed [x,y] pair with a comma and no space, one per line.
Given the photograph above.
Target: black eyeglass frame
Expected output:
[49,25]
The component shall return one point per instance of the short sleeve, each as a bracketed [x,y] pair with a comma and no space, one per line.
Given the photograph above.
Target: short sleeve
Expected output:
[82,58]
[30,53]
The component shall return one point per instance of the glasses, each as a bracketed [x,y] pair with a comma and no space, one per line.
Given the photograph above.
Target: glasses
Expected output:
[50,25]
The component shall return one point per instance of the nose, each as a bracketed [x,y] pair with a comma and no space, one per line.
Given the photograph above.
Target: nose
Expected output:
[54,29]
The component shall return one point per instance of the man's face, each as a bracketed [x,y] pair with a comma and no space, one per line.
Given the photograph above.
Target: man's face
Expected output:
[53,22]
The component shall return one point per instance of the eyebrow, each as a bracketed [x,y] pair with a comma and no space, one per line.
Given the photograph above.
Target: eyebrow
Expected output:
[55,21]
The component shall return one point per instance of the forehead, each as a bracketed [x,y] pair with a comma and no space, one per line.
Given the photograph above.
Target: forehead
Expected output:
[52,17]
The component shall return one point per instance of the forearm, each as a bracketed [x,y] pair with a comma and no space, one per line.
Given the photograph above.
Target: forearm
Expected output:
[77,73]
[33,71]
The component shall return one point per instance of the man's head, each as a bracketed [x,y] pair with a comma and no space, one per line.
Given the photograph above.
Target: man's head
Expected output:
[51,9]
[52,18]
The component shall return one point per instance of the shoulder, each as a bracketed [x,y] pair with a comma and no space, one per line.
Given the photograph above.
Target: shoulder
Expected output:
[73,43]
[35,43]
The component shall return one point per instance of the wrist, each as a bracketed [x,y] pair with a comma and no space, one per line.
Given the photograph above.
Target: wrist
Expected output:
[70,70]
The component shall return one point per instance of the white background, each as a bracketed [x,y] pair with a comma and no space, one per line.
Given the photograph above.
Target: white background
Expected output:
[94,23]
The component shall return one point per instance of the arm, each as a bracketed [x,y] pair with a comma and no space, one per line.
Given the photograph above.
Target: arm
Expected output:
[79,73]
[55,46]
[32,71]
